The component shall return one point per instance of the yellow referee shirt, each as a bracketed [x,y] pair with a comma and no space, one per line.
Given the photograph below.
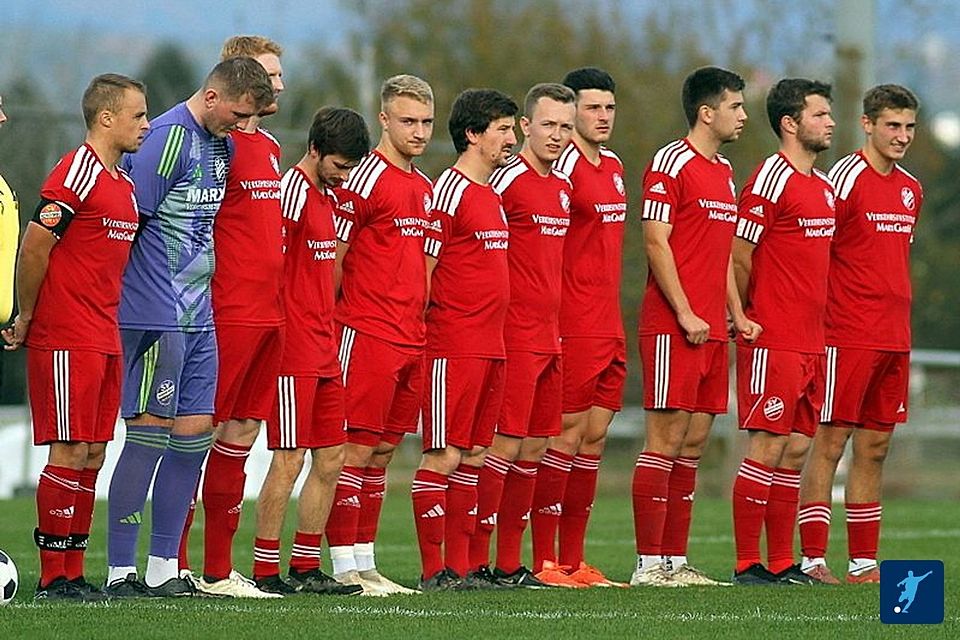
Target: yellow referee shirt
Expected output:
[9,234]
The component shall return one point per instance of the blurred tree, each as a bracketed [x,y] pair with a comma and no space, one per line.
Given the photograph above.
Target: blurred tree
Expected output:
[170,76]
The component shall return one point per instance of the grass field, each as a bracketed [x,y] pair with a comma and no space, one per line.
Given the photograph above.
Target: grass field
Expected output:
[912,530]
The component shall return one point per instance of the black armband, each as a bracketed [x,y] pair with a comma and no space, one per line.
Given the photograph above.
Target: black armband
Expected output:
[54,216]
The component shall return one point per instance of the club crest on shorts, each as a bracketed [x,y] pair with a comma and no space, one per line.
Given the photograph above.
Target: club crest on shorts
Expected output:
[618,183]
[908,198]
[773,408]
[165,392]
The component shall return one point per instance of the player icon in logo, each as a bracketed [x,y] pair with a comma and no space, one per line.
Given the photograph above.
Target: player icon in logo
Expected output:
[909,592]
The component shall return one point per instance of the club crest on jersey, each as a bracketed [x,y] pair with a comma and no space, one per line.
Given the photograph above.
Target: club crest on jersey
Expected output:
[275,163]
[426,203]
[165,392]
[733,187]
[220,168]
[50,215]
[831,199]
[618,183]
[773,408]
[909,200]
[565,201]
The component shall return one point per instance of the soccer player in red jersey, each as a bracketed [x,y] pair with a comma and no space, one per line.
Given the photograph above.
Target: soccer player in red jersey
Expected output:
[591,335]
[248,312]
[308,411]
[469,293]
[383,211]
[781,254]
[867,331]
[68,289]
[689,216]
[536,199]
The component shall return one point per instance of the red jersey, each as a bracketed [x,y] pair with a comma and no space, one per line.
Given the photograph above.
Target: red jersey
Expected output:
[593,249]
[697,197]
[790,217]
[538,215]
[868,292]
[77,304]
[247,237]
[310,248]
[470,289]
[382,214]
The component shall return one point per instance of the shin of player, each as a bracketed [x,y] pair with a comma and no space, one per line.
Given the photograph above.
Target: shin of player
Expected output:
[781,254]
[383,210]
[867,330]
[166,319]
[466,246]
[308,411]
[536,200]
[249,316]
[591,331]
[689,215]
[68,284]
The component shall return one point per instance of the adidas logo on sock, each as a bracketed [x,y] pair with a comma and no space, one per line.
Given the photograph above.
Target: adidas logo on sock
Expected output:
[133,518]
[473,511]
[755,501]
[525,517]
[436,511]
[351,501]
[688,497]
[490,520]
[659,188]
[236,509]
[555,509]
[378,495]
[62,513]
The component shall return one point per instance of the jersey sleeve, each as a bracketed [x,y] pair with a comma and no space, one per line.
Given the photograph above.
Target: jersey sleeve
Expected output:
[661,196]
[754,213]
[65,189]
[351,215]
[159,164]
[437,233]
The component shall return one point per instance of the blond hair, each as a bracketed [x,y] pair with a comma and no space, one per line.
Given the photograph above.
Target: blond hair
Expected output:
[405,85]
[249,46]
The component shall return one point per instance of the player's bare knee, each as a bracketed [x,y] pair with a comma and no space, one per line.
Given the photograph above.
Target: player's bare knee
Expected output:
[72,455]
[326,463]
[288,463]
[443,461]
[240,432]
[532,449]
[96,454]
[505,447]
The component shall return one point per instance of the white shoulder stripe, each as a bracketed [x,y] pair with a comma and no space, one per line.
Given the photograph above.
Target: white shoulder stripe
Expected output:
[83,173]
[671,158]
[844,174]
[610,154]
[560,175]
[448,191]
[269,135]
[363,178]
[503,177]
[567,160]
[772,178]
[906,173]
[293,194]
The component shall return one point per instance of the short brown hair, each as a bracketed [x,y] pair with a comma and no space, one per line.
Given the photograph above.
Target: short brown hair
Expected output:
[405,85]
[242,76]
[249,46]
[105,93]
[554,91]
[888,96]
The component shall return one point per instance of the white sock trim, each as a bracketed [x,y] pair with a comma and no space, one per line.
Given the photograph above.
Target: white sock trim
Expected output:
[364,555]
[159,570]
[115,574]
[343,559]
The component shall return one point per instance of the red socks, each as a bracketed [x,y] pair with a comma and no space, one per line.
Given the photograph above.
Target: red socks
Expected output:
[577,502]
[266,558]
[515,504]
[863,528]
[651,478]
[305,554]
[371,502]
[493,473]
[56,498]
[82,519]
[222,502]
[751,492]
[780,518]
[461,518]
[429,494]
[547,505]
[680,491]
[814,520]
[345,513]
[183,552]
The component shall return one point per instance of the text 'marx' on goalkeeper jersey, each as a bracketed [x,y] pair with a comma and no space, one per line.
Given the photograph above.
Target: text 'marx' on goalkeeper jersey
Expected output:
[868,291]
[790,218]
[538,216]
[470,287]
[383,213]
[180,173]
[593,247]
[697,197]
[247,235]
[310,248]
[94,216]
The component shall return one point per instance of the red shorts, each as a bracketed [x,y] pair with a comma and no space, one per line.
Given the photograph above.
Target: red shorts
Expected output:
[680,375]
[779,391]
[461,402]
[594,373]
[866,387]
[383,384]
[74,395]
[532,396]
[307,414]
[249,363]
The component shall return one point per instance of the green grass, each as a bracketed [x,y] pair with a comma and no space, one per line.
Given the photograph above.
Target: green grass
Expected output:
[912,530]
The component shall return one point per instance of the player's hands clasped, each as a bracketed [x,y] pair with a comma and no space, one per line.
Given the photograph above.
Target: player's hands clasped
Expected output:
[747,328]
[15,334]
[696,328]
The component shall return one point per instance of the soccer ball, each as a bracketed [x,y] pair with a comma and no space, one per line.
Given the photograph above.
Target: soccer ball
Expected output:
[8,579]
